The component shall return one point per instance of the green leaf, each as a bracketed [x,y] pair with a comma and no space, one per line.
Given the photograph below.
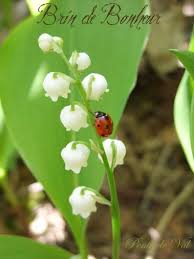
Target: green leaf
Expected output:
[34,120]
[6,145]
[187,59]
[182,113]
[12,247]
[182,109]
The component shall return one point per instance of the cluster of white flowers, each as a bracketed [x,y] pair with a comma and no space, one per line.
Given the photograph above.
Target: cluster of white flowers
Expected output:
[58,84]
[74,117]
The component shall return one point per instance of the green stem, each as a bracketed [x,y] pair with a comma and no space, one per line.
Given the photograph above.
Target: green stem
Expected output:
[75,180]
[83,247]
[115,211]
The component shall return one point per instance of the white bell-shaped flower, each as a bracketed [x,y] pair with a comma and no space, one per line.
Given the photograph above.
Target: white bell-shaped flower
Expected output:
[95,85]
[75,156]
[81,59]
[83,202]
[74,118]
[57,84]
[119,149]
[45,42]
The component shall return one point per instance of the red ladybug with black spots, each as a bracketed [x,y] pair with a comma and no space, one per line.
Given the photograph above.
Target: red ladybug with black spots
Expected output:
[103,124]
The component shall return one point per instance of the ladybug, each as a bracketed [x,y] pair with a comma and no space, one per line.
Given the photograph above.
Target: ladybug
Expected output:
[103,124]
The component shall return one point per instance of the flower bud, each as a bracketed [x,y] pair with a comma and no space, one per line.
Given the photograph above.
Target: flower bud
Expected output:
[120,152]
[58,40]
[83,202]
[75,156]
[58,44]
[57,84]
[45,42]
[95,85]
[80,60]
[49,43]
[74,118]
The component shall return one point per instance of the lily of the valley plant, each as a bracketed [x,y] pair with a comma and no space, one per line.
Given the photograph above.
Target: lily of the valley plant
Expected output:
[78,115]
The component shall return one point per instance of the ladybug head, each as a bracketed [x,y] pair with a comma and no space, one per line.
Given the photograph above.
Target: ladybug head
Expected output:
[99,114]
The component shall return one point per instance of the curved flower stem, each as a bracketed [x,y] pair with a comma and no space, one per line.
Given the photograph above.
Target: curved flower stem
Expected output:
[115,211]
[83,247]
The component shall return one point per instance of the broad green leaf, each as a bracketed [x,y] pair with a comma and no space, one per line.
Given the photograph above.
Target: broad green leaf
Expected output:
[187,59]
[12,247]
[182,109]
[34,120]
[6,146]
